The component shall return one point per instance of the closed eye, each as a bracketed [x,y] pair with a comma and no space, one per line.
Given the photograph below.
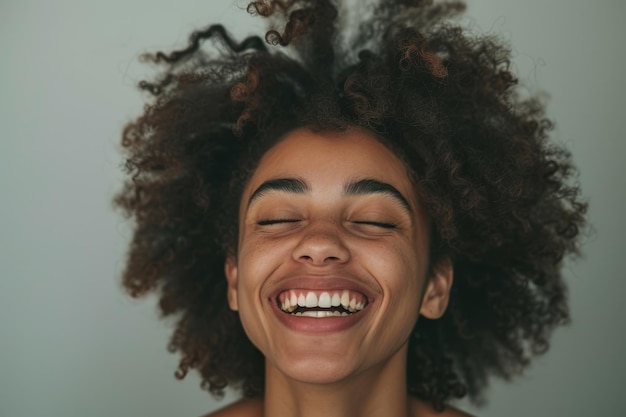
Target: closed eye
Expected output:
[269,222]
[377,224]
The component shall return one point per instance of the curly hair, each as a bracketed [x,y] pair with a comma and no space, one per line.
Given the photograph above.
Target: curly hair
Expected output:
[502,199]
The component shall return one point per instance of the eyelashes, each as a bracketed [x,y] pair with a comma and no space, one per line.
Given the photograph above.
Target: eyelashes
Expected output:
[269,222]
[383,225]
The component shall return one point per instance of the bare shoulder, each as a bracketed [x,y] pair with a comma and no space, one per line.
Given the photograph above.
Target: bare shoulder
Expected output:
[424,409]
[252,407]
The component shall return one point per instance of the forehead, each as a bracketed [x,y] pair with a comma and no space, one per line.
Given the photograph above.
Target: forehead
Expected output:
[331,157]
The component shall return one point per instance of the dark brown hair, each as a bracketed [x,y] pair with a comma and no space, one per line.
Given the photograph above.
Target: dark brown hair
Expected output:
[499,194]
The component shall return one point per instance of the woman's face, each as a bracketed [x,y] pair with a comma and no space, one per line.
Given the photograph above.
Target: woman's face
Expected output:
[331,270]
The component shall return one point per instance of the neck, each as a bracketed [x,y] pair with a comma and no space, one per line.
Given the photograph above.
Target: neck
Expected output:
[375,392]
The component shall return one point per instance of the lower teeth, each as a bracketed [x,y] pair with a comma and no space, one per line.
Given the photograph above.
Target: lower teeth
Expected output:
[320,314]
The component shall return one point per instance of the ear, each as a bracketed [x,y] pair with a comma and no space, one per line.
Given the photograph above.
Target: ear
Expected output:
[437,293]
[230,270]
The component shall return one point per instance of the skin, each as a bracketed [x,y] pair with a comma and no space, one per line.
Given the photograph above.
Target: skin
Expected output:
[333,210]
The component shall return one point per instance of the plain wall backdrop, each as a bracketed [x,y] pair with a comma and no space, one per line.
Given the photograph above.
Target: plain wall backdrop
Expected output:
[73,344]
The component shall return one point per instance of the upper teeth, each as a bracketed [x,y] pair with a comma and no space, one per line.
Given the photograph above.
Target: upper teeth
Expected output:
[350,301]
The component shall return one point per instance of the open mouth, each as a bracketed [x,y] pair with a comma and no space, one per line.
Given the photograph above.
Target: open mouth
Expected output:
[321,304]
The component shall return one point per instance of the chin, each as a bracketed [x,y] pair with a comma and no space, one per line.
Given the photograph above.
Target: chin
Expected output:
[316,367]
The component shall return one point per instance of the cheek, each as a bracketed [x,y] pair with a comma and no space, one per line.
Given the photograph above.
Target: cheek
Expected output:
[261,255]
[401,273]
[399,263]
[259,259]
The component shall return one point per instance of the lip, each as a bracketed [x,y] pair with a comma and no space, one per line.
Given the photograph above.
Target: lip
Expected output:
[303,324]
[327,283]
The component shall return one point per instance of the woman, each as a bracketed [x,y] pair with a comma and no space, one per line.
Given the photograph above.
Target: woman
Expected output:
[371,225]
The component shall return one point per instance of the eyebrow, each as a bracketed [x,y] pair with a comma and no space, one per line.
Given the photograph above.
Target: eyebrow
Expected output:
[372,186]
[285,185]
[357,187]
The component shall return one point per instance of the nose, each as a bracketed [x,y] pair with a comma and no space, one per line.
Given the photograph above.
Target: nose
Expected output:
[321,245]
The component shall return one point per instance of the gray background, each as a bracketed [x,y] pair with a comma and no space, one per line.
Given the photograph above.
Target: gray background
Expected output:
[73,344]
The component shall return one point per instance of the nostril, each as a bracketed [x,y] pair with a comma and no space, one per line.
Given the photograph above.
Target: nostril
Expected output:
[326,259]
[321,249]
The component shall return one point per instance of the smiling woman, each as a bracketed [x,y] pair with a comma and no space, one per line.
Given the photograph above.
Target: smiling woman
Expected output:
[349,231]
[353,228]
